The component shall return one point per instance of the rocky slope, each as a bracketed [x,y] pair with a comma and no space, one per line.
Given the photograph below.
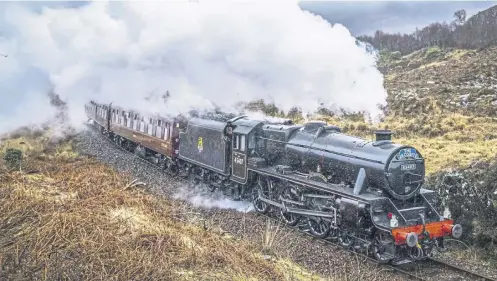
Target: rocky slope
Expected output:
[436,81]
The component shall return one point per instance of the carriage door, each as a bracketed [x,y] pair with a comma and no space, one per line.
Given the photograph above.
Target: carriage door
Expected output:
[239,164]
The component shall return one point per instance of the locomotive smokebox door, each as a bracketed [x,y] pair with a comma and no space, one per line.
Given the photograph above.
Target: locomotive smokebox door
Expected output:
[239,165]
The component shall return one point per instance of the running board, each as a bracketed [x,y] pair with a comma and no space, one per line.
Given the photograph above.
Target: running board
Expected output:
[271,202]
[300,211]
[310,213]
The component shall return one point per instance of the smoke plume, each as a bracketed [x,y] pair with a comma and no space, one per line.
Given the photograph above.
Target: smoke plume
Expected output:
[203,54]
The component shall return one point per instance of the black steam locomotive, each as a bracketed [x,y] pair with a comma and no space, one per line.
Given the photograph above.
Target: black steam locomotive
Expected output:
[364,194]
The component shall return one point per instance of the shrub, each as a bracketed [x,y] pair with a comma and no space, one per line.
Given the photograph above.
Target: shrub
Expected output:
[433,52]
[13,158]
[471,195]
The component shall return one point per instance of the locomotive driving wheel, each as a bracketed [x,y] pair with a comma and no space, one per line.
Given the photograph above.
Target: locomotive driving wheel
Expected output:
[345,238]
[290,219]
[383,247]
[261,190]
[318,226]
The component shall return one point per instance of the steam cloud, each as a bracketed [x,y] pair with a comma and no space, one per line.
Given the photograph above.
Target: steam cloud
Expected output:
[204,53]
[198,196]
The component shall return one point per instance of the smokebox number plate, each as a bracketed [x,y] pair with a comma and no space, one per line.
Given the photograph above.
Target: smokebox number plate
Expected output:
[407,167]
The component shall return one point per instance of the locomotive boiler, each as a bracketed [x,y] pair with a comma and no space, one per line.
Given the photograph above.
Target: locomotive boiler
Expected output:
[377,164]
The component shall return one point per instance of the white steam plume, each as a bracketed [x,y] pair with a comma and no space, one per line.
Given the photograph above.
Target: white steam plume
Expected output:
[204,53]
[198,196]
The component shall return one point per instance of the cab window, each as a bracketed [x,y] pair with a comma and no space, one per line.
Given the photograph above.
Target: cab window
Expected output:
[242,143]
[236,142]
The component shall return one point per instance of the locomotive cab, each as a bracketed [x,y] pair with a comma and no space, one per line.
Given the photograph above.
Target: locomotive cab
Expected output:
[243,146]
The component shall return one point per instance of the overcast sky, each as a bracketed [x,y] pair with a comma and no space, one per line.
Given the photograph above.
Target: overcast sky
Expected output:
[262,50]
[360,17]
[365,17]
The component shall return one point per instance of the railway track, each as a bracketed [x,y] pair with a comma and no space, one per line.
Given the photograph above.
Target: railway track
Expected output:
[430,269]
[304,231]
[475,275]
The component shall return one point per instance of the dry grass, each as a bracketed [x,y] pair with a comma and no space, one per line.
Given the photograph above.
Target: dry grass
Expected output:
[75,219]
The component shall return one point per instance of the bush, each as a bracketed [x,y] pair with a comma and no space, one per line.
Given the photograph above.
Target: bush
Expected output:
[471,195]
[385,56]
[433,52]
[13,158]
[396,55]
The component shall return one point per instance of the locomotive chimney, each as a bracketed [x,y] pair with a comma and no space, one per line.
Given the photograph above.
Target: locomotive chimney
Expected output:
[383,135]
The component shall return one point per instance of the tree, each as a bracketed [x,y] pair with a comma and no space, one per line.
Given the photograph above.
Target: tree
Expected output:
[479,31]
[460,16]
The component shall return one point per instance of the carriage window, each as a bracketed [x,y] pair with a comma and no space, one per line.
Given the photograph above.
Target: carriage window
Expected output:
[242,143]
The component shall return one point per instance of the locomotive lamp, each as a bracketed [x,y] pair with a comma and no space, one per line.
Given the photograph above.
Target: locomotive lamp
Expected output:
[456,231]
[393,220]
[447,213]
[412,239]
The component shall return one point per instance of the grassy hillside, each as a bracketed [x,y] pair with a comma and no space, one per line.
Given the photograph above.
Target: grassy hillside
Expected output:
[66,217]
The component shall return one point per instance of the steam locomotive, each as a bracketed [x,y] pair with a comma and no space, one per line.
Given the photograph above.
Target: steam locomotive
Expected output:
[364,194]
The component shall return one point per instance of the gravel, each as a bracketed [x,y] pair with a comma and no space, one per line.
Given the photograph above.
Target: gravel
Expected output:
[274,240]
[467,259]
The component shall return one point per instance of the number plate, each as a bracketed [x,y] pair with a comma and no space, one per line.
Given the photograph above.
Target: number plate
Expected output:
[238,159]
[407,167]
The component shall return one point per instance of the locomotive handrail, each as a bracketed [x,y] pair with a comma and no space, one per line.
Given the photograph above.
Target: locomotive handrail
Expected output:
[236,118]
